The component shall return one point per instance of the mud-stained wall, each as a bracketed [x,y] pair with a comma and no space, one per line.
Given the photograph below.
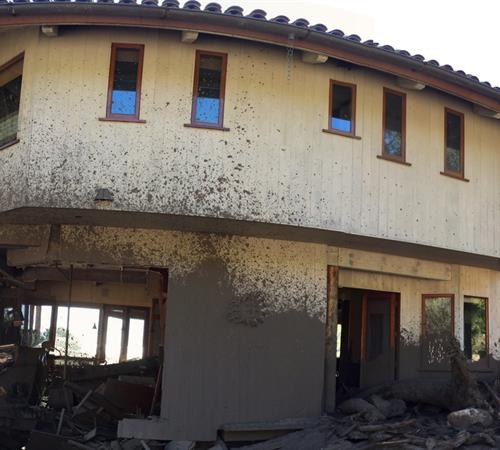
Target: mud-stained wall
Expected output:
[465,281]
[274,165]
[245,329]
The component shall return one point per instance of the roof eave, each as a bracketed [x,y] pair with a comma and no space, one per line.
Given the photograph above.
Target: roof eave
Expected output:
[281,34]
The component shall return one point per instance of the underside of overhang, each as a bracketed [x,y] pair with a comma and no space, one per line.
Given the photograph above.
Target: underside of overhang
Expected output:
[45,223]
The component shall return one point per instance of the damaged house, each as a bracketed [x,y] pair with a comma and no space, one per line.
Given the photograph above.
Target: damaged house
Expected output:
[254,214]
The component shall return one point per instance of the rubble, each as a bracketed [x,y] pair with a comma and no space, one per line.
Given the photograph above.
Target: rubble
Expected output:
[83,412]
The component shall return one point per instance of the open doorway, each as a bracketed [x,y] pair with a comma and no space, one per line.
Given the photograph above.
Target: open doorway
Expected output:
[367,338]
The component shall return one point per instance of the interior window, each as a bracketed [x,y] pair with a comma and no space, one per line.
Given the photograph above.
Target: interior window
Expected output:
[342,108]
[135,345]
[10,96]
[475,328]
[83,330]
[113,339]
[394,125]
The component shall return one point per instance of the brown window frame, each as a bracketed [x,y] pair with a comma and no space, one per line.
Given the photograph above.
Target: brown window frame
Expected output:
[485,363]
[222,96]
[398,159]
[124,117]
[3,67]
[331,130]
[423,324]
[461,173]
[424,321]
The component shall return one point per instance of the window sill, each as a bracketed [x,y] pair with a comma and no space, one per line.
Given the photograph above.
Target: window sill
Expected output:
[340,133]
[113,119]
[205,126]
[394,160]
[455,175]
[9,144]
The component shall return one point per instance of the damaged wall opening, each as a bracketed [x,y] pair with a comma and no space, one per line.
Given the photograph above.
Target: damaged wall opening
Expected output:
[101,333]
[368,338]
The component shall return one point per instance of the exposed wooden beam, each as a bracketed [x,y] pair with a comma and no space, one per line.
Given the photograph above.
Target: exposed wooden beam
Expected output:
[389,264]
[94,275]
[330,378]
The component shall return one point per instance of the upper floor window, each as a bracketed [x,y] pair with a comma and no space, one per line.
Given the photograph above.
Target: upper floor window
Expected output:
[11,75]
[394,125]
[125,76]
[476,329]
[454,143]
[209,89]
[342,108]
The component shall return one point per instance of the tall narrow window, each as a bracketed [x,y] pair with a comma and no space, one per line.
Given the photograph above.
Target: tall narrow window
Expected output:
[11,75]
[209,89]
[342,108]
[437,330]
[454,143]
[125,76]
[394,125]
[476,329]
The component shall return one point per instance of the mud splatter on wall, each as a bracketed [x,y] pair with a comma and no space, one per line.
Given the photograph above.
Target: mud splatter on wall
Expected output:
[278,275]
[273,165]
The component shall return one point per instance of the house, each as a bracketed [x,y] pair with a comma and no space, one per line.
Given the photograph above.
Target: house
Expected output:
[276,210]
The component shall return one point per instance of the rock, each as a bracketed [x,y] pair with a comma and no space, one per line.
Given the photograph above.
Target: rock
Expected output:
[389,408]
[131,444]
[219,445]
[384,406]
[430,443]
[180,445]
[465,418]
[397,408]
[355,406]
[340,445]
[373,415]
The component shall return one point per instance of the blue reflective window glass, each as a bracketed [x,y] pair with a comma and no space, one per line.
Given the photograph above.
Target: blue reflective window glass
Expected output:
[124,94]
[208,94]
[341,116]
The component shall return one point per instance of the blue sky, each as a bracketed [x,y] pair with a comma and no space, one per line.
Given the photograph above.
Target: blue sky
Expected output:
[462,34]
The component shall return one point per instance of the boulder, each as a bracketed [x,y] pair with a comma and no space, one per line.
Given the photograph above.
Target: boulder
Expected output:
[355,406]
[465,418]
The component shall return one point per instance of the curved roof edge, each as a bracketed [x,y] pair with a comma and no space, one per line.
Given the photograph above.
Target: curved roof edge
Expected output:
[254,26]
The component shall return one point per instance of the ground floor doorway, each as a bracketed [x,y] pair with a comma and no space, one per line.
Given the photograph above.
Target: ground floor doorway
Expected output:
[367,338]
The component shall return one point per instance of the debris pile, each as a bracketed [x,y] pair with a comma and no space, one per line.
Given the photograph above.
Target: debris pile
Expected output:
[40,409]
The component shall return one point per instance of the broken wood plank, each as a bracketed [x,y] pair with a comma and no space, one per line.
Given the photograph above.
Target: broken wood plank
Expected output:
[386,426]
